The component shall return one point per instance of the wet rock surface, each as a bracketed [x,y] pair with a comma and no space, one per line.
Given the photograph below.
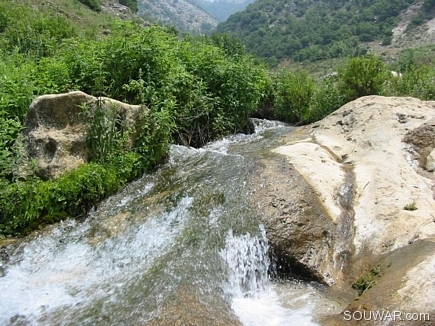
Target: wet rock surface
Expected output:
[299,232]
[353,194]
[187,307]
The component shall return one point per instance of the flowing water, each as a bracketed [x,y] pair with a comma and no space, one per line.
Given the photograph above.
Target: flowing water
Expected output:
[182,239]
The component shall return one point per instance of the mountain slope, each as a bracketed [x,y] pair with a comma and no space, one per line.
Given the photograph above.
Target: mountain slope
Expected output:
[183,14]
[315,30]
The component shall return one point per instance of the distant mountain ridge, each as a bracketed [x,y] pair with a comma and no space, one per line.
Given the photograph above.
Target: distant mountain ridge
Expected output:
[313,30]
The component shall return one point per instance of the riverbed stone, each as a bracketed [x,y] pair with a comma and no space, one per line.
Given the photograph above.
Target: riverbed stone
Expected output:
[54,139]
[189,307]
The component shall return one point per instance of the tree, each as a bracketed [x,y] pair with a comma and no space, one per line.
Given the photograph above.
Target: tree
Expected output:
[92,4]
[132,4]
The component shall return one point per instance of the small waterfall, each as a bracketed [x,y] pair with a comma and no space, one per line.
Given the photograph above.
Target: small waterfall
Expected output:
[184,235]
[248,264]
[255,299]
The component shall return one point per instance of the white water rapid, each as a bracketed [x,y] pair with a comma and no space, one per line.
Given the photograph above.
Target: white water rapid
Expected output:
[186,234]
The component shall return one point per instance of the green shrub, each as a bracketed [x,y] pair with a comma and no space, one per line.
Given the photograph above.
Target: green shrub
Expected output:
[30,32]
[9,130]
[266,105]
[417,20]
[92,4]
[367,280]
[132,4]
[387,40]
[53,76]
[326,98]
[293,96]
[27,203]
[416,81]
[106,133]
[362,76]
[17,85]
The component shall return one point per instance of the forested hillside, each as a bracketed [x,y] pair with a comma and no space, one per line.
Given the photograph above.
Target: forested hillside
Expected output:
[317,30]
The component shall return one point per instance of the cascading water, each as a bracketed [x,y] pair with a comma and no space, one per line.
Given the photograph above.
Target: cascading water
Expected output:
[181,245]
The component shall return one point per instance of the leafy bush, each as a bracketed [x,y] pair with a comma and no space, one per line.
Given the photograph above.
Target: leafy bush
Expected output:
[362,76]
[26,204]
[29,32]
[387,40]
[416,81]
[10,129]
[106,133]
[266,106]
[293,96]
[132,4]
[326,98]
[92,4]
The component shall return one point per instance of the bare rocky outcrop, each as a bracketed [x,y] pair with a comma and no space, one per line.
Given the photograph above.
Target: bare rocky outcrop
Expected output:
[355,194]
[55,138]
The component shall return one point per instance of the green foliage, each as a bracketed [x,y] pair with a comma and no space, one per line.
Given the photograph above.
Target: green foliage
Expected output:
[293,96]
[29,32]
[266,105]
[387,40]
[153,134]
[25,204]
[411,206]
[417,20]
[416,81]
[9,129]
[428,4]
[92,4]
[106,134]
[326,98]
[132,4]
[363,76]
[367,280]
[231,45]
[192,90]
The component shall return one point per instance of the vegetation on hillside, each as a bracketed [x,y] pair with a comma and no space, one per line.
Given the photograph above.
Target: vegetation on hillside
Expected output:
[196,89]
[96,4]
[423,15]
[314,30]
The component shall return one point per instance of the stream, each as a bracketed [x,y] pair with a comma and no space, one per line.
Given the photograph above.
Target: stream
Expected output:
[180,246]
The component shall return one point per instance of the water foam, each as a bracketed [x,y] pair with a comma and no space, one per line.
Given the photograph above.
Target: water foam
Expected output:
[62,269]
[254,298]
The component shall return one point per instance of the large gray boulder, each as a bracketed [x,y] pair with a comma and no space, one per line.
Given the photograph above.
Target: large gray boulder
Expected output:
[351,198]
[55,134]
